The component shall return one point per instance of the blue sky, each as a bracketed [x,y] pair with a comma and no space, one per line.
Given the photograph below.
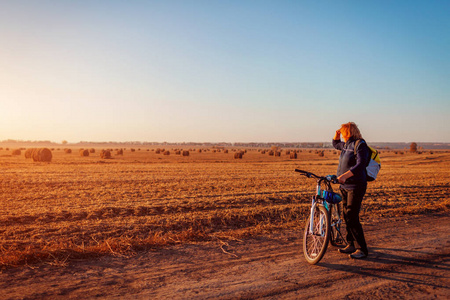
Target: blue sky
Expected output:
[234,71]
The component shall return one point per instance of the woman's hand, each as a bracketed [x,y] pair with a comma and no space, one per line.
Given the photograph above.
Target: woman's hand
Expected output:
[337,135]
[344,177]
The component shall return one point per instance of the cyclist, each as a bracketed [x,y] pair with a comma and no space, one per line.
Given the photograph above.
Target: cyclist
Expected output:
[352,177]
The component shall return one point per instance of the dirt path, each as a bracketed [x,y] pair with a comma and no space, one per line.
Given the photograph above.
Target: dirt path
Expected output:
[409,259]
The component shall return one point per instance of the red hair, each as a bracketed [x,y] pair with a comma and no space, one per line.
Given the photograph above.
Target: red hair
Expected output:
[350,130]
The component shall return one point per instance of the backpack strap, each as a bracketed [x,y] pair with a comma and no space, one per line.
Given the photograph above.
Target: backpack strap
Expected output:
[356,146]
[370,151]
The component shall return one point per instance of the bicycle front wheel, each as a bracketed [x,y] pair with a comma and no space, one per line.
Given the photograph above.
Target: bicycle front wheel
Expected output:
[315,241]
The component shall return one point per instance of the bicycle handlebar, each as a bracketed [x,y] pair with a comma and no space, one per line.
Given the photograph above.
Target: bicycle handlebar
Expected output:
[330,178]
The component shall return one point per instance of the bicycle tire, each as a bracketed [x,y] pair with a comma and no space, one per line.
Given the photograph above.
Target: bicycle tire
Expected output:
[315,244]
[338,237]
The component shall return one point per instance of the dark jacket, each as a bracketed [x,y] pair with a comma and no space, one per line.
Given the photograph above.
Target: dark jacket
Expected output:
[348,161]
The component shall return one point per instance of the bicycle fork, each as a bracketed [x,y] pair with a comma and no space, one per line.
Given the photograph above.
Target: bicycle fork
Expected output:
[311,219]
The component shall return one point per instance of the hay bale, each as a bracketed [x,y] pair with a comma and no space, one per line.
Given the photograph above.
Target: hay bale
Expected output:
[16,152]
[105,154]
[277,153]
[238,155]
[29,153]
[225,151]
[119,152]
[293,155]
[177,152]
[321,153]
[92,150]
[42,154]
[271,153]
[167,152]
[133,150]
[68,151]
[158,151]
[185,153]
[84,152]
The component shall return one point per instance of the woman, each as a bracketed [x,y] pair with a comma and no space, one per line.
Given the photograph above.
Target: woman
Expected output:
[351,174]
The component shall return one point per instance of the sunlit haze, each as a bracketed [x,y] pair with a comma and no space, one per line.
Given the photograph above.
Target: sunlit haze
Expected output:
[231,71]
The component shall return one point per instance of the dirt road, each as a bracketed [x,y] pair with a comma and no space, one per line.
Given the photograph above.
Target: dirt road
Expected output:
[409,259]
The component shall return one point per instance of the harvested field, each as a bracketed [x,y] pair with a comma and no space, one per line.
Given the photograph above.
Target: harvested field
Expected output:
[84,206]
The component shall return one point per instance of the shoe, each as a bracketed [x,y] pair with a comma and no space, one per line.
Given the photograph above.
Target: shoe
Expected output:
[358,254]
[348,249]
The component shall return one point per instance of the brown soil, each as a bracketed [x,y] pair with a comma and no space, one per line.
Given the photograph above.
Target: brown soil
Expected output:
[409,259]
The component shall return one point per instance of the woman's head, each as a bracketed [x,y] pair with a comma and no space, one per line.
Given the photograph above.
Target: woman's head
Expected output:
[350,130]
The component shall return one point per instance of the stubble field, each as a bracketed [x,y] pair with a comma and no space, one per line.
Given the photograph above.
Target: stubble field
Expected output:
[82,207]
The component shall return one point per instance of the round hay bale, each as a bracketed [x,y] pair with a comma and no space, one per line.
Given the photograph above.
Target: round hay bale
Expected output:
[29,153]
[68,151]
[185,153]
[16,152]
[293,155]
[263,151]
[119,152]
[199,150]
[178,152]
[271,152]
[238,155]
[42,154]
[158,151]
[84,152]
[105,154]
[321,153]
[277,153]
[225,151]
[167,152]
[133,150]
[92,150]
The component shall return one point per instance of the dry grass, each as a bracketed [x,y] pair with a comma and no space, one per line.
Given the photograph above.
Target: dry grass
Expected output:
[78,207]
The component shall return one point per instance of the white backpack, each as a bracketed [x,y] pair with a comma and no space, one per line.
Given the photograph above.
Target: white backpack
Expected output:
[374,165]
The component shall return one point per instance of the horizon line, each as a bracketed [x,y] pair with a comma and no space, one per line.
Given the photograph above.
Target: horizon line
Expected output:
[194,142]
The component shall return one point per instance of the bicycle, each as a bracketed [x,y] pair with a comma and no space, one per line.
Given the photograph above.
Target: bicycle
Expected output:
[324,223]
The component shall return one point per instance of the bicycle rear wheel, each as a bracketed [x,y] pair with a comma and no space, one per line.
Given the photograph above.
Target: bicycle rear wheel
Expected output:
[338,226]
[315,243]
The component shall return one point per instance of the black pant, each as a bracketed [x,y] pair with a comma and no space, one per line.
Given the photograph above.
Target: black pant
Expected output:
[351,200]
